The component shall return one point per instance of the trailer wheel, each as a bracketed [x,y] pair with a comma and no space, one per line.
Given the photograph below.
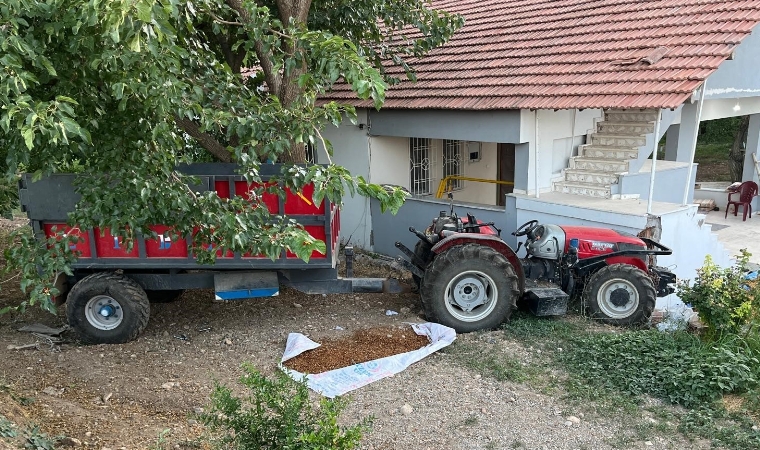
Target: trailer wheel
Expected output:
[106,308]
[469,287]
[421,251]
[620,294]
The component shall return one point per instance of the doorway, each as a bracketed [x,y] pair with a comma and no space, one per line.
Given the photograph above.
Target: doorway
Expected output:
[505,162]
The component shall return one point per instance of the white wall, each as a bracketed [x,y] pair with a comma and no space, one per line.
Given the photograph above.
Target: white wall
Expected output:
[351,151]
[691,240]
[554,128]
[389,160]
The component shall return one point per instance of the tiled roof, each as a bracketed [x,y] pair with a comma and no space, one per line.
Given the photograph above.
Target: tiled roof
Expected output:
[563,54]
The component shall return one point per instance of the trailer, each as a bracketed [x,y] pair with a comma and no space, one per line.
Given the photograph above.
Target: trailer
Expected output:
[108,296]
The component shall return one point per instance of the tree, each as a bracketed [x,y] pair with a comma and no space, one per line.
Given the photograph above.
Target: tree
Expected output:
[736,154]
[123,91]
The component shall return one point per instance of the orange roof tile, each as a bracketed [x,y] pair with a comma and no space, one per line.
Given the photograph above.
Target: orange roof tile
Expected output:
[562,54]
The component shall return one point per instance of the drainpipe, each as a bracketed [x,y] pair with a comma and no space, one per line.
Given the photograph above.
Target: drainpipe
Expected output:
[535,156]
[694,141]
[654,161]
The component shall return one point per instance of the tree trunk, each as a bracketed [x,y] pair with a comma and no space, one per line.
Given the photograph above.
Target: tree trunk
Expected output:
[736,155]
[283,85]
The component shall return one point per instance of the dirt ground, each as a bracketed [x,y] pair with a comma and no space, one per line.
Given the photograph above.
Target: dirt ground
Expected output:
[126,395]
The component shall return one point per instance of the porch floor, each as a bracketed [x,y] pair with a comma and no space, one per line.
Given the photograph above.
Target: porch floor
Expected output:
[736,234]
[633,206]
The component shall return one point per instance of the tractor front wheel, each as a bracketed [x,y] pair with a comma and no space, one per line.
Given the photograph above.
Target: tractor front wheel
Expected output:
[620,294]
[469,287]
[106,308]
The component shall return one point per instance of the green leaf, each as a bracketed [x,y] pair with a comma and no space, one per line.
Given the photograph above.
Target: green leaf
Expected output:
[28,134]
[144,8]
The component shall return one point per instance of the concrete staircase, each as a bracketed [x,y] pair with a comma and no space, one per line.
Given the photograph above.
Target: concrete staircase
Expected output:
[595,171]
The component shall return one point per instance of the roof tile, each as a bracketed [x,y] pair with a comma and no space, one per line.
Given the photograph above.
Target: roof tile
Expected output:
[563,54]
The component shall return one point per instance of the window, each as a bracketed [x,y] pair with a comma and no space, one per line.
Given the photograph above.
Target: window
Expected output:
[419,166]
[453,154]
[311,153]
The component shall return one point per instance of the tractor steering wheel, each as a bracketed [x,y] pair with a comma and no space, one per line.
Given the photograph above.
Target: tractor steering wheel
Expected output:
[526,228]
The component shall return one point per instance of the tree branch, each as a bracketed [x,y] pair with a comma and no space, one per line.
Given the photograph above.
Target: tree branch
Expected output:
[206,140]
[273,79]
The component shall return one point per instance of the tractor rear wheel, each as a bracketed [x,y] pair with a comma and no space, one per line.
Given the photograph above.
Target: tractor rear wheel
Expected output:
[106,308]
[620,294]
[469,287]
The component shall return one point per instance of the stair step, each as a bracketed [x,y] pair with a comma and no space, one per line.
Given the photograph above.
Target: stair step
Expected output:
[618,140]
[626,115]
[626,128]
[590,176]
[601,165]
[587,189]
[608,152]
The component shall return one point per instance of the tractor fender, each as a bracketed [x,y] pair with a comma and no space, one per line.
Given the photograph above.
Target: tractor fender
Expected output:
[487,240]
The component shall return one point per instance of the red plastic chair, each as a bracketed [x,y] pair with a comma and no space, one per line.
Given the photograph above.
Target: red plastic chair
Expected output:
[746,191]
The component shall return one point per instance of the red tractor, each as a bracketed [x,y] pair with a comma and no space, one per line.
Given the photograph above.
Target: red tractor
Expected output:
[470,279]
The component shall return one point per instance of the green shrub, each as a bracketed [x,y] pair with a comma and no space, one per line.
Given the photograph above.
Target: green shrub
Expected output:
[726,302]
[278,414]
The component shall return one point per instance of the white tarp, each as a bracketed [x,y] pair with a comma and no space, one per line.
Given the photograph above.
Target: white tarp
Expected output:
[339,381]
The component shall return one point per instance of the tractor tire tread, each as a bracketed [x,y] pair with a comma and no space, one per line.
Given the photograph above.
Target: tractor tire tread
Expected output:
[435,280]
[634,274]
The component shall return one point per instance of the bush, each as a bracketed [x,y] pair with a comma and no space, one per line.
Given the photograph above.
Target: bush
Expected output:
[725,301]
[278,414]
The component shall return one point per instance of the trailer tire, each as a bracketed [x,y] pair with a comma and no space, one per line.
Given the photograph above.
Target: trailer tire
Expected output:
[473,277]
[107,308]
[620,294]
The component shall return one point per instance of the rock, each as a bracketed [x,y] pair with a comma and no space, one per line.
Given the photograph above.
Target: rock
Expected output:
[54,392]
[511,400]
[167,385]
[755,428]
[581,415]
[107,397]
[227,341]
[198,410]
[406,409]
[478,376]
[649,443]
[405,310]
[568,423]
[67,441]
[298,305]
[574,420]
[192,422]
[165,334]
[88,434]
[105,448]
[483,410]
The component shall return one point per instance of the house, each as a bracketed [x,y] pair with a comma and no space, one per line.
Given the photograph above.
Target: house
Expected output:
[551,111]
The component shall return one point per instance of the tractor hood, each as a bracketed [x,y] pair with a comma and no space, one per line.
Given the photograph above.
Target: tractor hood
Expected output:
[595,241]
